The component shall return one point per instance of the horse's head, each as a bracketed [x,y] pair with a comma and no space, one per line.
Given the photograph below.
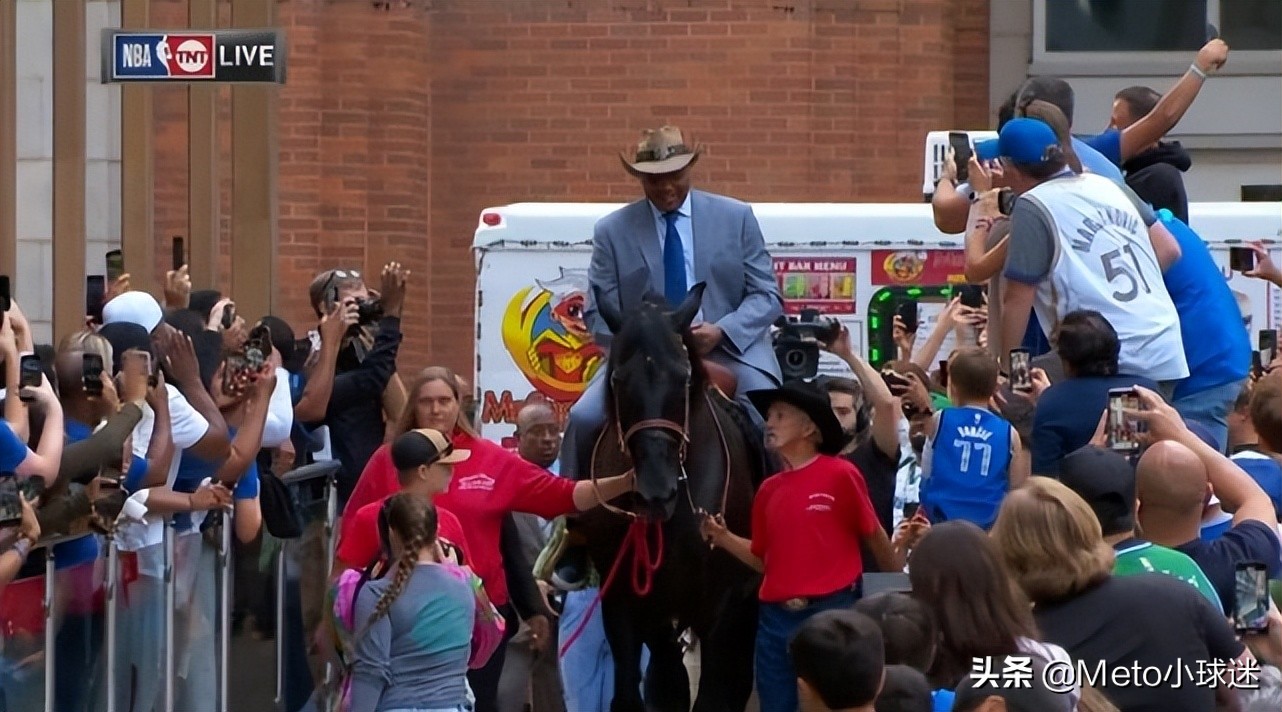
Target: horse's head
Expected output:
[651,377]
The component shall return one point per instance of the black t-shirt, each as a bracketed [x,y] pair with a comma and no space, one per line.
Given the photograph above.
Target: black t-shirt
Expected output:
[1149,620]
[1248,542]
[879,471]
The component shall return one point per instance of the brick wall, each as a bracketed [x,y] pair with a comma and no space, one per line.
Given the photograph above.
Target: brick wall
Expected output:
[398,126]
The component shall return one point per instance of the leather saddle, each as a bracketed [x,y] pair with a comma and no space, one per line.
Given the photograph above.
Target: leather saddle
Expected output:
[721,377]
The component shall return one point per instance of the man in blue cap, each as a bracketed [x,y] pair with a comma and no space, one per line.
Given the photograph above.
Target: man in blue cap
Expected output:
[1083,242]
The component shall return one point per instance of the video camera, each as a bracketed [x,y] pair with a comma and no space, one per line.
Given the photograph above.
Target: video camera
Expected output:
[797,342]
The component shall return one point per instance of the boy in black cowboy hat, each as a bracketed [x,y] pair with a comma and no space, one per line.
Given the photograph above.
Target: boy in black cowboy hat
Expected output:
[807,526]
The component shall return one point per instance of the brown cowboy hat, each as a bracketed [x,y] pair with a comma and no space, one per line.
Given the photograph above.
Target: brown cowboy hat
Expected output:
[661,150]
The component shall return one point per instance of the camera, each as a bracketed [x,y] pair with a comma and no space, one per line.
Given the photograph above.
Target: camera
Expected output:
[368,311]
[797,342]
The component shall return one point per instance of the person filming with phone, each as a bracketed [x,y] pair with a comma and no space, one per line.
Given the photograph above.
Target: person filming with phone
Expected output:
[1083,242]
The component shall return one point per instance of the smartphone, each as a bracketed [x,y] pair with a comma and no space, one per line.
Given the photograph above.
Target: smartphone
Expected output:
[1121,429]
[33,488]
[943,374]
[911,509]
[895,382]
[258,348]
[906,310]
[1021,377]
[30,374]
[1257,368]
[972,295]
[229,316]
[1250,598]
[960,143]
[1005,201]
[179,255]
[331,297]
[10,502]
[1241,259]
[6,300]
[1268,346]
[145,358]
[92,374]
[115,265]
[233,366]
[95,296]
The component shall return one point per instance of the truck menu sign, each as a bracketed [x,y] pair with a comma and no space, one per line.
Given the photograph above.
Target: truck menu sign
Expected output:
[193,56]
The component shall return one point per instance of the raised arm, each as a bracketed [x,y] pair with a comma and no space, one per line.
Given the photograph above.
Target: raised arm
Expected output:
[886,411]
[1171,107]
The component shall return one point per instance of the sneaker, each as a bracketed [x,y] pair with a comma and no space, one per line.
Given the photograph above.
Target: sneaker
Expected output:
[571,572]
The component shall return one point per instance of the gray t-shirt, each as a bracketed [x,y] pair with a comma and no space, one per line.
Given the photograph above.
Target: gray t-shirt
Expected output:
[1031,254]
[416,655]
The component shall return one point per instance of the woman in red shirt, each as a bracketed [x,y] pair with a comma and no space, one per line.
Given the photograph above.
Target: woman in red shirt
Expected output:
[486,487]
[807,524]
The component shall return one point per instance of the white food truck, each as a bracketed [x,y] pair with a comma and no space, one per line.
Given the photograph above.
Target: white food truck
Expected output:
[848,261]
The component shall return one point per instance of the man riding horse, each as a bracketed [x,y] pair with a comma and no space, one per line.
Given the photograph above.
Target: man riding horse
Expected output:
[666,243]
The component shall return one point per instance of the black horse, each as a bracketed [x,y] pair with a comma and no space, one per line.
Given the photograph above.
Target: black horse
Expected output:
[694,453]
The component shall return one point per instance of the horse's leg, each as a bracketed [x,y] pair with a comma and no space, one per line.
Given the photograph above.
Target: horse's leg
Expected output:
[620,618]
[667,684]
[726,652]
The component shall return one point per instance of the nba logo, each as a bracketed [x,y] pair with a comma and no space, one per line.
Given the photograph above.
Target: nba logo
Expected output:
[188,56]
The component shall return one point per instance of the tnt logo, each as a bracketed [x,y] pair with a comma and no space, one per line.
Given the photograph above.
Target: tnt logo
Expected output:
[189,56]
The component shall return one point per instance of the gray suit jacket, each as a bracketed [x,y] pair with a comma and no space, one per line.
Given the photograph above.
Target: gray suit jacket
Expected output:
[730,255]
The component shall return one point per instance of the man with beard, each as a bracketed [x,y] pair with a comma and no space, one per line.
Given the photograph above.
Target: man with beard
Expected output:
[870,416]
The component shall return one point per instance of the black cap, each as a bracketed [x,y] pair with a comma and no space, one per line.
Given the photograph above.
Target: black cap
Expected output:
[1023,691]
[814,402]
[1106,480]
[425,447]
[125,336]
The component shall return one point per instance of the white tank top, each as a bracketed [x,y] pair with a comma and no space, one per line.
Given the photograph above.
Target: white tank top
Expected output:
[1104,261]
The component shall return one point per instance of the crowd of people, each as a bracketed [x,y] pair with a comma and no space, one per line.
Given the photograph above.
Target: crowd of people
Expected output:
[949,534]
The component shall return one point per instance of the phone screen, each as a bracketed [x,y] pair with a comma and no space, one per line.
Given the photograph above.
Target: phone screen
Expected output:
[1251,598]
[1268,346]
[972,295]
[943,374]
[229,316]
[115,265]
[1241,259]
[960,142]
[179,255]
[1122,431]
[92,374]
[906,310]
[95,296]
[5,298]
[10,503]
[1020,377]
[30,371]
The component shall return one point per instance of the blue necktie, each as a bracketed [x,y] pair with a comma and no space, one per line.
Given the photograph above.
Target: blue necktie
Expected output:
[674,263]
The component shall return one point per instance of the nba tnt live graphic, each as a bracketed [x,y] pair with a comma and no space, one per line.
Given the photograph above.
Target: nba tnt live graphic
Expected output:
[186,56]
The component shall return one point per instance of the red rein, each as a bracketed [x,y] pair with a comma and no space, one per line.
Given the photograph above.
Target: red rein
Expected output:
[644,566]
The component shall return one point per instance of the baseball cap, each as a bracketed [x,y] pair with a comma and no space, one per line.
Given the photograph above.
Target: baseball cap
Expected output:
[1106,480]
[425,447]
[1027,693]
[1022,140]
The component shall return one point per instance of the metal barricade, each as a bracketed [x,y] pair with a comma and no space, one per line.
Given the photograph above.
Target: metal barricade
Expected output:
[126,629]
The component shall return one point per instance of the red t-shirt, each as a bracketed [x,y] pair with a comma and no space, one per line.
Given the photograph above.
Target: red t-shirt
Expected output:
[358,546]
[486,487]
[806,527]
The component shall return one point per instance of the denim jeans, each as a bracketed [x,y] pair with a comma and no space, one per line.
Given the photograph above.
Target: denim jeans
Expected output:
[776,681]
[1211,408]
[587,669]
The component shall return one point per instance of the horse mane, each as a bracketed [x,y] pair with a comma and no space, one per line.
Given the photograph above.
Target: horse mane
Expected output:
[648,326]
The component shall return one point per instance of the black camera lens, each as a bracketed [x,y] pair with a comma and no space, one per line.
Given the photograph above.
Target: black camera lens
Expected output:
[795,358]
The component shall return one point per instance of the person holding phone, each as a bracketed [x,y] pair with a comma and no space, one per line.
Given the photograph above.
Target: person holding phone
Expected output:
[1176,475]
[15,456]
[17,544]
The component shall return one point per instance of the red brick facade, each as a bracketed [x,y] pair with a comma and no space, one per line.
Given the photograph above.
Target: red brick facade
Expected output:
[397,126]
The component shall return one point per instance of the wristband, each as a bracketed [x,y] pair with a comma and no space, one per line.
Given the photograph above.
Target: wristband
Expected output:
[22,546]
[1198,71]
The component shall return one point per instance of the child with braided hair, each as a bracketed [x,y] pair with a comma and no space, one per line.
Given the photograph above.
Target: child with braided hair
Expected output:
[423,625]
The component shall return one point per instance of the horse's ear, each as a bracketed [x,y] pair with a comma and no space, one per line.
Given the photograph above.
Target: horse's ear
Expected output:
[684,314]
[613,321]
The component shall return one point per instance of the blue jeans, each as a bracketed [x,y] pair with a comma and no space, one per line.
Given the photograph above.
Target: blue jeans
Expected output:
[776,681]
[587,669]
[1211,408]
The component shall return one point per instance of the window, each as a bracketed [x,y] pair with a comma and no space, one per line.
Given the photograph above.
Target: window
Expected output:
[1064,28]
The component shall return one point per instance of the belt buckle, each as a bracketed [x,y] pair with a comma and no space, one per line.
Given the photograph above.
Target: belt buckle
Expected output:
[796,605]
